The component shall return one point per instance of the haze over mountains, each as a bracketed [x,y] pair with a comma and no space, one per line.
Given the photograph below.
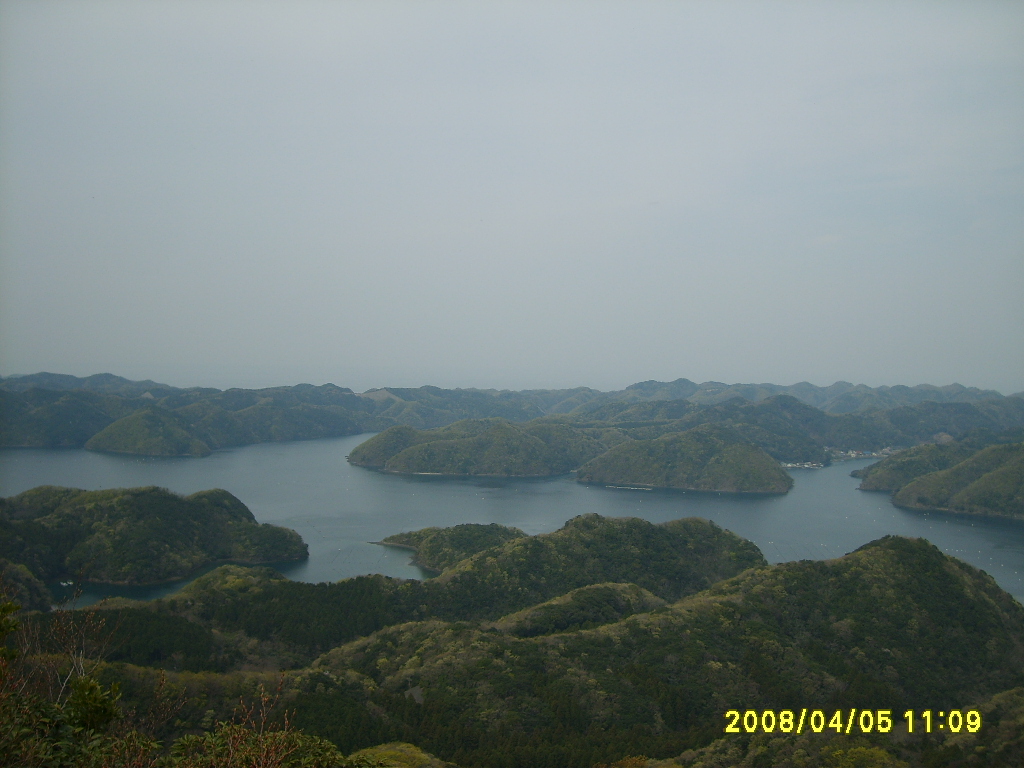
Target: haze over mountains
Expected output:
[55,410]
[841,397]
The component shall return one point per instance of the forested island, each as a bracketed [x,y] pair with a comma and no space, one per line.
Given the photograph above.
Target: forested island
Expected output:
[611,641]
[705,458]
[736,446]
[131,536]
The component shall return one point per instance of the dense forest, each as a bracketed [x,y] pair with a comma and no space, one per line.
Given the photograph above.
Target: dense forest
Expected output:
[980,474]
[735,446]
[610,643]
[706,458]
[602,642]
[130,536]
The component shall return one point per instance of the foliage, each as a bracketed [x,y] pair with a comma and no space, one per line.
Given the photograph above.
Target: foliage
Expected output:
[83,724]
[148,432]
[583,608]
[401,755]
[991,482]
[894,472]
[136,535]
[895,622]
[706,458]
[439,548]
[668,560]
[19,584]
[480,447]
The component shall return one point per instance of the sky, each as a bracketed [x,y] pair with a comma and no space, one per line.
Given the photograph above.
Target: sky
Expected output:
[513,194]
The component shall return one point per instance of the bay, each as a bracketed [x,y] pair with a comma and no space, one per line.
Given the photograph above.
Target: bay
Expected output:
[339,509]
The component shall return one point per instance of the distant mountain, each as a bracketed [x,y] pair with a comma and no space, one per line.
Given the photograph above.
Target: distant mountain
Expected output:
[841,397]
[103,383]
[55,410]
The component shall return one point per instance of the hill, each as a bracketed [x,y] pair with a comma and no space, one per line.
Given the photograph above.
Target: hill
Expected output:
[990,482]
[841,397]
[608,638]
[439,548]
[135,535]
[706,458]
[148,432]
[895,471]
[300,621]
[895,622]
[480,447]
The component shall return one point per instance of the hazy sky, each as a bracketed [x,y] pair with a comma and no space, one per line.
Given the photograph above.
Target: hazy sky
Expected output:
[513,194]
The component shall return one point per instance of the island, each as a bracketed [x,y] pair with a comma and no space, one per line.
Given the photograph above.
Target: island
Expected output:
[705,458]
[493,447]
[135,535]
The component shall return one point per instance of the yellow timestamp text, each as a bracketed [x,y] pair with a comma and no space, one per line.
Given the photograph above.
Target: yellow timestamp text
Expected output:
[849,721]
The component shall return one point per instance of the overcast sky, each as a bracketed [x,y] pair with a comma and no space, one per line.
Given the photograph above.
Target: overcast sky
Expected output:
[513,194]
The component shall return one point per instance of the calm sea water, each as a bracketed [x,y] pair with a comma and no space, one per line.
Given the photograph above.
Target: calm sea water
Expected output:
[339,509]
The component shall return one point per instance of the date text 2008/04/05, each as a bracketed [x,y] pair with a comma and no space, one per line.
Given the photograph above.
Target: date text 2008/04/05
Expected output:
[849,721]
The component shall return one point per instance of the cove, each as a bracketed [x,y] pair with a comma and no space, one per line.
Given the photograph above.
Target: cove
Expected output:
[338,509]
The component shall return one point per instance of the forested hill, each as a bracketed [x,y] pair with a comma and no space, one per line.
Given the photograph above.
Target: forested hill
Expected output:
[57,410]
[982,473]
[735,446]
[706,458]
[481,447]
[895,622]
[607,639]
[134,535]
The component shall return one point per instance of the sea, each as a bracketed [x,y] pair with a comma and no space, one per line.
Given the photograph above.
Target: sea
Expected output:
[340,510]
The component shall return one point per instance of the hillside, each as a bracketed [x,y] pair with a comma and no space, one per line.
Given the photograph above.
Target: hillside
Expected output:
[990,482]
[998,743]
[669,560]
[894,472]
[480,447]
[607,638]
[148,432]
[135,535]
[302,620]
[895,622]
[439,548]
[706,458]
